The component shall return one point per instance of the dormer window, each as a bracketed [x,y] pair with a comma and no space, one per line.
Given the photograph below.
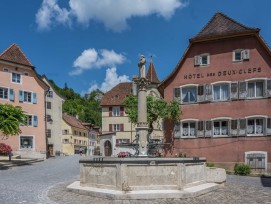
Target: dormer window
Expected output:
[202,60]
[240,55]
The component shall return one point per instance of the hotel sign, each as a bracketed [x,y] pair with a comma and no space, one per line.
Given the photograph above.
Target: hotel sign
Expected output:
[223,73]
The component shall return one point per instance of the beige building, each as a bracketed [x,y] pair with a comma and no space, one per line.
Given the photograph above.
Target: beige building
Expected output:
[53,102]
[74,135]
[115,122]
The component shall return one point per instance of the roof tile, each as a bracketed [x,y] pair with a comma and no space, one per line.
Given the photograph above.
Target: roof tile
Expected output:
[151,74]
[73,121]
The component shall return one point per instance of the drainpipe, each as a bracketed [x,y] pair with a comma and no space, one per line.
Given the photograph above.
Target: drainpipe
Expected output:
[46,138]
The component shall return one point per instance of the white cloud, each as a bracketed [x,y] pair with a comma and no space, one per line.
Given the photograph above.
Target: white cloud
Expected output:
[50,13]
[92,59]
[112,13]
[111,80]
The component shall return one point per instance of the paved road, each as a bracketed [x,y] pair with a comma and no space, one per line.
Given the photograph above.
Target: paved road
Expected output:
[45,183]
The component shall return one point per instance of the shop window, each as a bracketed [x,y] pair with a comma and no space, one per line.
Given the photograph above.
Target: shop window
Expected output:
[26,142]
[221,92]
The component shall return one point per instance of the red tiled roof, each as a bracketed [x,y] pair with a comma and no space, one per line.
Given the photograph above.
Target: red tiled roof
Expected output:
[72,121]
[151,74]
[117,94]
[15,54]
[222,25]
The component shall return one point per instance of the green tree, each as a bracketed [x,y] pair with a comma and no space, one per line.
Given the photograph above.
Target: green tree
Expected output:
[156,109]
[10,119]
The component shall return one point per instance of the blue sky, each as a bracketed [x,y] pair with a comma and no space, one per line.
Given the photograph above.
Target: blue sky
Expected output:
[93,44]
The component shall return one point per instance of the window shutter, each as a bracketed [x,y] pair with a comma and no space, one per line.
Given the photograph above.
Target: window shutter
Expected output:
[177,94]
[201,95]
[234,90]
[34,95]
[122,127]
[35,121]
[110,127]
[208,92]
[197,60]
[177,129]
[200,128]
[245,54]
[234,127]
[268,126]
[242,90]
[208,128]
[11,94]
[268,88]
[21,96]
[121,111]
[242,127]
[110,111]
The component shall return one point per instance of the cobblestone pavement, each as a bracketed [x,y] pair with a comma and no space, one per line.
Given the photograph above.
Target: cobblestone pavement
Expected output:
[237,190]
[45,183]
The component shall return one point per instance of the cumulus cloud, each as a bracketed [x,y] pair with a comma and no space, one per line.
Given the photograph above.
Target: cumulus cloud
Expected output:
[50,13]
[112,13]
[92,59]
[111,80]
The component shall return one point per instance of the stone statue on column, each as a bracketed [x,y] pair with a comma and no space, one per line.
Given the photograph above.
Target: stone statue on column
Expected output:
[141,65]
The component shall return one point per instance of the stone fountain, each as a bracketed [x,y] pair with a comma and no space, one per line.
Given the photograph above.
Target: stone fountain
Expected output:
[143,177]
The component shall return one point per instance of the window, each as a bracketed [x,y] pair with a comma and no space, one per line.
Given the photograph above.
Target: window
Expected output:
[240,55]
[122,141]
[189,94]
[189,129]
[32,120]
[65,132]
[50,94]
[49,118]
[255,89]
[6,70]
[75,132]
[116,111]
[255,126]
[48,105]
[16,78]
[65,141]
[26,142]
[116,127]
[221,92]
[3,93]
[220,128]
[177,129]
[28,97]
[26,74]
[202,60]
[177,93]
[48,132]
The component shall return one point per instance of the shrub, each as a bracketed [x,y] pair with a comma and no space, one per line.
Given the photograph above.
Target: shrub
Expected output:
[5,149]
[242,169]
[210,165]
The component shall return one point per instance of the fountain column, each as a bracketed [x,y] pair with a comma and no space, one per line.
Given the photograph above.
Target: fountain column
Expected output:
[142,124]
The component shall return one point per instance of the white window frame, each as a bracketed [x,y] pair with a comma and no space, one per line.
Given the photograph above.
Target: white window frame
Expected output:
[115,111]
[28,119]
[27,96]
[220,84]
[6,99]
[255,88]
[187,86]
[220,127]
[242,53]
[116,127]
[199,61]
[21,79]
[189,128]
[264,118]
[257,152]
[33,142]
[50,94]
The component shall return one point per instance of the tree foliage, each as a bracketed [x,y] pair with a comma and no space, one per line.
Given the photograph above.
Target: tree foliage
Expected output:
[156,109]
[10,119]
[86,107]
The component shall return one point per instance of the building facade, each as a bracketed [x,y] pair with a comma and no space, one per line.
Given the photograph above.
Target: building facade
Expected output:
[21,86]
[223,83]
[74,135]
[115,121]
[53,102]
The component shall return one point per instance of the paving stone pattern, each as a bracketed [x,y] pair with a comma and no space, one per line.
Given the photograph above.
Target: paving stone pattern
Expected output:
[45,183]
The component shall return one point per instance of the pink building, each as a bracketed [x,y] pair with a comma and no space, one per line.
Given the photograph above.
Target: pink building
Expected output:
[223,83]
[21,86]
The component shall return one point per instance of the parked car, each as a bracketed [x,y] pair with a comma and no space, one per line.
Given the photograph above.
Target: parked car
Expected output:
[125,154]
